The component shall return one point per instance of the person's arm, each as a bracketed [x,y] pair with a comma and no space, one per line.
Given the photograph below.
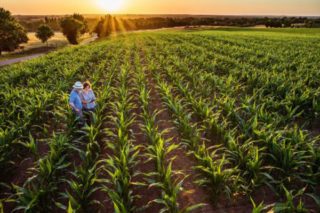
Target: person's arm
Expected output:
[71,103]
[73,106]
[83,100]
[93,97]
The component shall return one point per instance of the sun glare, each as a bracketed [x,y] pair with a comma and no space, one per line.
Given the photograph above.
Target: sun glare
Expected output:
[110,5]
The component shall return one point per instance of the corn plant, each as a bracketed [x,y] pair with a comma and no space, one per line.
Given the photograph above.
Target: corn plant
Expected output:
[215,172]
[261,207]
[157,151]
[119,165]
[289,205]
[241,108]
[251,166]
[31,145]
[245,118]
[37,192]
[6,141]
[86,176]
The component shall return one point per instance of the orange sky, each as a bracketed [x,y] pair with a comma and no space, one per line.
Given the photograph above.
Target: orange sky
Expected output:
[219,7]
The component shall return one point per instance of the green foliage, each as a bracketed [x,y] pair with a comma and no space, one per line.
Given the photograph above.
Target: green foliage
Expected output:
[119,165]
[36,193]
[238,109]
[44,33]
[12,34]
[82,19]
[72,29]
[289,205]
[32,146]
[258,208]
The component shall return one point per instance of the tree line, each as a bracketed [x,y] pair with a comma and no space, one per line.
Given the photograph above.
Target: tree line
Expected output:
[159,22]
[13,30]
[12,33]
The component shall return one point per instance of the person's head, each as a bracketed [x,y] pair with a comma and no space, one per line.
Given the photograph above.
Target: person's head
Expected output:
[86,85]
[78,86]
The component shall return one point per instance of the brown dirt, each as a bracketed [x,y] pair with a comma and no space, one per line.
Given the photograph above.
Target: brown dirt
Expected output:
[17,176]
[315,128]
[145,194]
[20,172]
[100,195]
[192,193]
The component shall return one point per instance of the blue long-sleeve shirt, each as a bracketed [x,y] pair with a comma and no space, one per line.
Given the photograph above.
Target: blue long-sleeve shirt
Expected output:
[75,99]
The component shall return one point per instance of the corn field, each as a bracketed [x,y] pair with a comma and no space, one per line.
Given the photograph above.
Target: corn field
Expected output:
[223,120]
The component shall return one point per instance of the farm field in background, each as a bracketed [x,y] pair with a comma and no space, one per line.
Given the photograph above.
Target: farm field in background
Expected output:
[220,120]
[35,46]
[57,40]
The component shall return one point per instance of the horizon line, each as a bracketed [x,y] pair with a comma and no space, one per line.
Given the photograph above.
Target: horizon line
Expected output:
[170,14]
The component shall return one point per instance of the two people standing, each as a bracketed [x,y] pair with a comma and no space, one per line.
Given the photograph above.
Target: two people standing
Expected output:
[82,100]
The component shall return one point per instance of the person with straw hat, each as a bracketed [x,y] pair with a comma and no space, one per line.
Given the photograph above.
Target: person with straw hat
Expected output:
[75,100]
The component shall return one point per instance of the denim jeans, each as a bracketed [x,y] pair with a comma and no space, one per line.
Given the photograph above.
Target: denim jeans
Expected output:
[79,116]
[88,115]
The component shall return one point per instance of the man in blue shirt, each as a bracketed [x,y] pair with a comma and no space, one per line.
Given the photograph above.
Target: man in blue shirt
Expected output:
[75,100]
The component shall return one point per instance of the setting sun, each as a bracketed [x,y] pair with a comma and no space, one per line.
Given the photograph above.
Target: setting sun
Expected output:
[110,5]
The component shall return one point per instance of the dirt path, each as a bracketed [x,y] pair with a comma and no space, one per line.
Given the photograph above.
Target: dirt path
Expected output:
[89,40]
[21,59]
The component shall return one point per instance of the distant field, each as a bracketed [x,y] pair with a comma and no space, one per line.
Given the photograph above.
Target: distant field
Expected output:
[35,46]
[57,40]
[225,116]
[272,33]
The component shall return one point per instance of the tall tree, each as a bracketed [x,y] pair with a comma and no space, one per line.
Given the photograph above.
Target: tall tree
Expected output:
[72,28]
[105,26]
[12,34]
[44,33]
[82,19]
